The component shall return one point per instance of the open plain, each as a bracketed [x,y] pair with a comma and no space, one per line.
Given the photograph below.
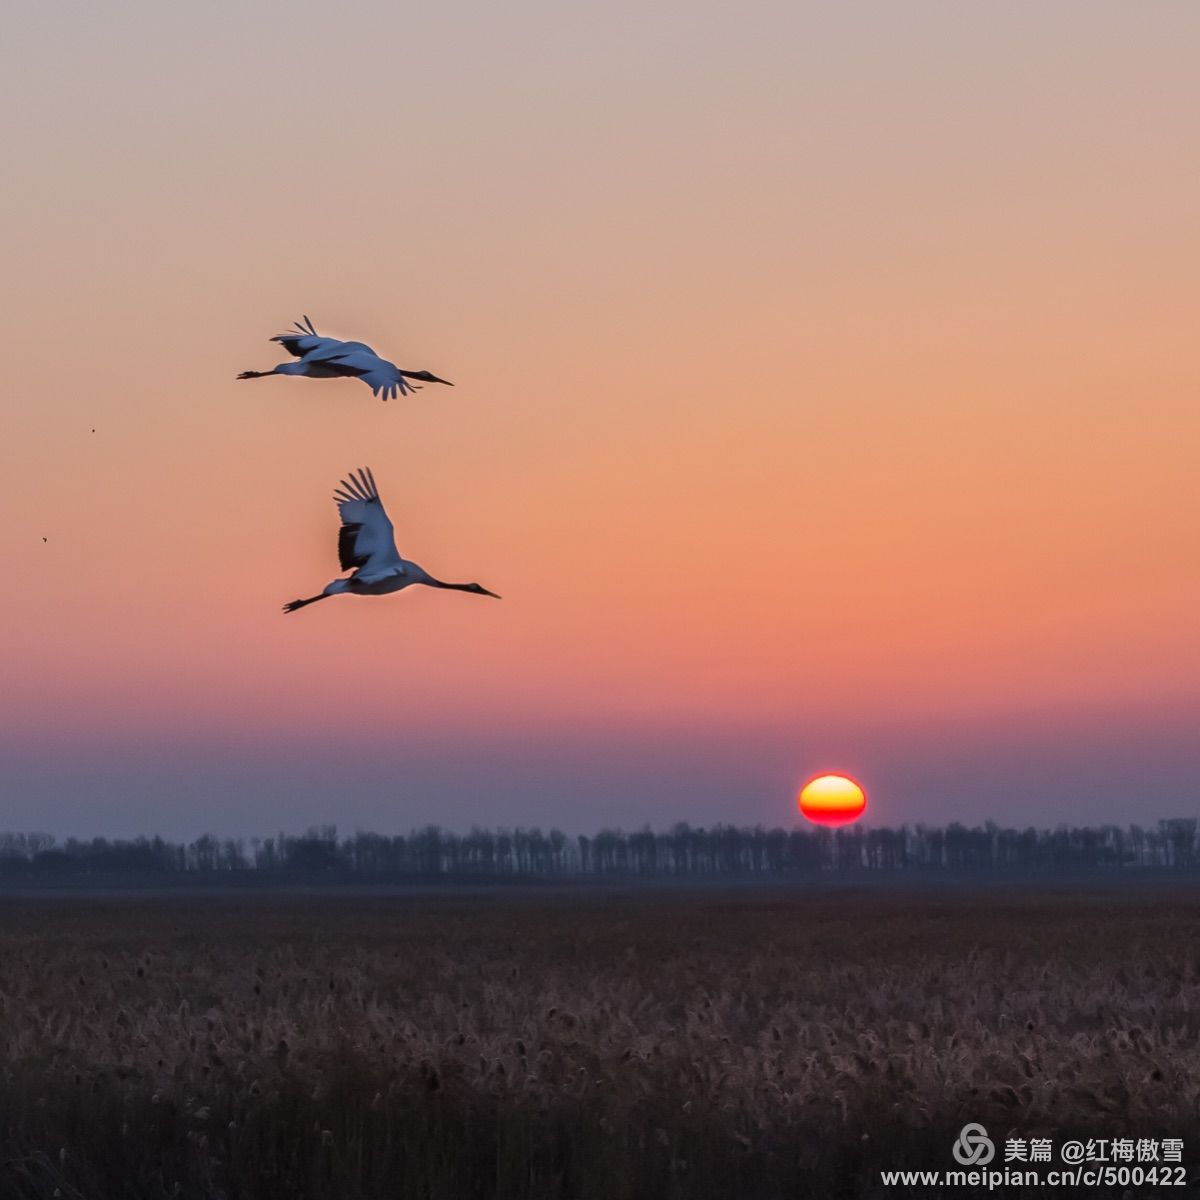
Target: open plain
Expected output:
[652,1042]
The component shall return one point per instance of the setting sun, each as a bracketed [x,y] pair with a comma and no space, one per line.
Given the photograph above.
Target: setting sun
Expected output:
[832,800]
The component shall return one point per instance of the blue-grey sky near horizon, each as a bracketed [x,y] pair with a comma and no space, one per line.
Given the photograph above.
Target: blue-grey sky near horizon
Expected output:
[1017,774]
[827,398]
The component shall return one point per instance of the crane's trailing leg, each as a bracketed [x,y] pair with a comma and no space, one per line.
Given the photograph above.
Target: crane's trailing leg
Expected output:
[295,604]
[331,589]
[255,374]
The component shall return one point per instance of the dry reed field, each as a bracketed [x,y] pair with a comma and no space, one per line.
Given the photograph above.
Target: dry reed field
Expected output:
[594,1045]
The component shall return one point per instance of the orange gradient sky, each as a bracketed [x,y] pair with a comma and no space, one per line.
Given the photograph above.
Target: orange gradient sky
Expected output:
[827,389]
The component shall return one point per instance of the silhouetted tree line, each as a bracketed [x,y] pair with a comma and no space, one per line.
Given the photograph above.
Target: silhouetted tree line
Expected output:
[683,852]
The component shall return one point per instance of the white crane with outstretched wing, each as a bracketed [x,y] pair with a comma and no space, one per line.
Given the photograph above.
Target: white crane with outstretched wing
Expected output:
[367,546]
[320,357]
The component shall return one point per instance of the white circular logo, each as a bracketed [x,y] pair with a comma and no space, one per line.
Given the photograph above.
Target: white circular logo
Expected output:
[973,1147]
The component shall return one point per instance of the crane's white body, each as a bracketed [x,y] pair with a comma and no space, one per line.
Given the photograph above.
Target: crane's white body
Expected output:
[367,543]
[318,357]
[402,575]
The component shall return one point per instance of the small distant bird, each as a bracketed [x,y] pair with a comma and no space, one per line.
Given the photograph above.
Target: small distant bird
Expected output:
[45,539]
[367,544]
[327,358]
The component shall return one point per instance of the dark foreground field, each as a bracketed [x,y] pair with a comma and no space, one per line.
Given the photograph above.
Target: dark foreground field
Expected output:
[654,1044]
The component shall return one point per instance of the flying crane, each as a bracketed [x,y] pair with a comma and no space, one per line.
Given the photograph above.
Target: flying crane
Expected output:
[320,357]
[367,544]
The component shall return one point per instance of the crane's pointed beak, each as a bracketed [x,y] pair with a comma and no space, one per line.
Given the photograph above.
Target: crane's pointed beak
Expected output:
[492,594]
[435,379]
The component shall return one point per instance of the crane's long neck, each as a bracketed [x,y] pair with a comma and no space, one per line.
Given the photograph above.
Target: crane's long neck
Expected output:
[453,587]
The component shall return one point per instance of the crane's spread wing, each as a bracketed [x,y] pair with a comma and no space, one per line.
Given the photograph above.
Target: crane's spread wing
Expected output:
[326,356]
[383,377]
[306,340]
[361,362]
[366,540]
[327,350]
